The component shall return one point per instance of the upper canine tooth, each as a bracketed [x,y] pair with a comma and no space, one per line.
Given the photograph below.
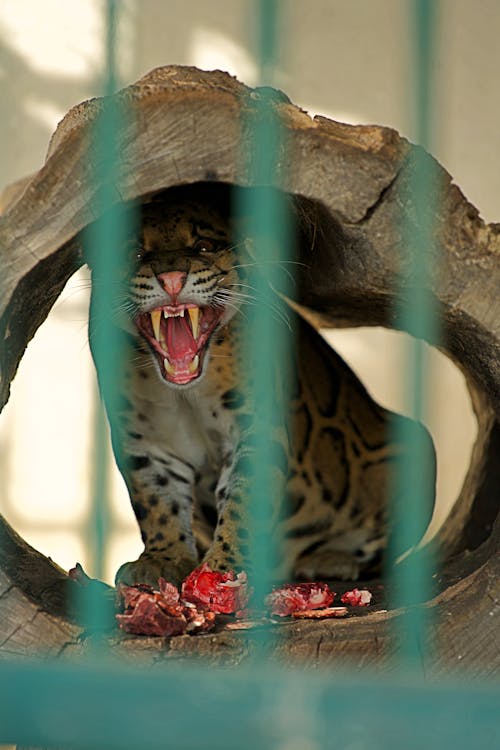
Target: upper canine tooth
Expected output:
[194,315]
[155,320]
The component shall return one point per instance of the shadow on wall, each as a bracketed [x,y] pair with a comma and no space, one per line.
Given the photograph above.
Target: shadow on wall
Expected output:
[44,75]
[32,104]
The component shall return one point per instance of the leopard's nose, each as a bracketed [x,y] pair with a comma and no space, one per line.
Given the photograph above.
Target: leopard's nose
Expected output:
[172,282]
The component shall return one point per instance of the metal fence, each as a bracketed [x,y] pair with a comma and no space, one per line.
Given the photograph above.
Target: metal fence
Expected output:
[103,704]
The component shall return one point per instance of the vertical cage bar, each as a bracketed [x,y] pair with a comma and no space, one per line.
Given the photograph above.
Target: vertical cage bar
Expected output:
[104,241]
[267,335]
[100,237]
[410,579]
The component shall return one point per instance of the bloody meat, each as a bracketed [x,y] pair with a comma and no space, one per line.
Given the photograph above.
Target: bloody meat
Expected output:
[357,597]
[206,593]
[222,593]
[151,612]
[295,597]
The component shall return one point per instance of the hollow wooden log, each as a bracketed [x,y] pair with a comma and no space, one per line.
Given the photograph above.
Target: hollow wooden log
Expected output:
[184,126]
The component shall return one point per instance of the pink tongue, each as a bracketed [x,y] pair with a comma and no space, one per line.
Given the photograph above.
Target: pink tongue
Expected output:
[180,343]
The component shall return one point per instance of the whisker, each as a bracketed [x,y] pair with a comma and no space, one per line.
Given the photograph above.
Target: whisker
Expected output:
[235,246]
[226,303]
[270,262]
[260,299]
[277,311]
[235,296]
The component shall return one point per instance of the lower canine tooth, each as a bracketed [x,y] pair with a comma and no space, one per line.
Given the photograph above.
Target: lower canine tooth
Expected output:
[169,367]
[194,364]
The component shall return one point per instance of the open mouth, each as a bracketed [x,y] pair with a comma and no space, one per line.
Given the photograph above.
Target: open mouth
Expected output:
[178,335]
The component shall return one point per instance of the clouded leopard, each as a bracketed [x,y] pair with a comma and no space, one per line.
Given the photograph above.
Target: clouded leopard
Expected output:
[177,432]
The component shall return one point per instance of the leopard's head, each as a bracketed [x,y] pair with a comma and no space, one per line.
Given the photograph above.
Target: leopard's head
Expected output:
[188,282]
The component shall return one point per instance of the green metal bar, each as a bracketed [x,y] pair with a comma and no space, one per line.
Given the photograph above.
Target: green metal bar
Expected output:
[51,705]
[411,579]
[267,333]
[103,241]
[267,14]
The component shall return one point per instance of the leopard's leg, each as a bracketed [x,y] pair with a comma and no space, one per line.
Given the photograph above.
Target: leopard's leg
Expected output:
[314,549]
[161,489]
[235,535]
[228,549]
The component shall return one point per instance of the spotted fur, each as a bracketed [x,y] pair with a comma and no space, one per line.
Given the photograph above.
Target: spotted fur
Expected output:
[180,446]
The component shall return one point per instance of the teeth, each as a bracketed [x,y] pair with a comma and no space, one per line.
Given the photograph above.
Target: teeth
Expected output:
[194,315]
[155,320]
[194,364]
[169,367]
[176,314]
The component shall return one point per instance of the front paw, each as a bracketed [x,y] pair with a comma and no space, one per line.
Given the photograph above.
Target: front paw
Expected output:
[224,557]
[151,566]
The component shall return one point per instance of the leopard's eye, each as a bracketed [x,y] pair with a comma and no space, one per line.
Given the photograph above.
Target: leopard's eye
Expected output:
[140,254]
[136,251]
[204,246]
